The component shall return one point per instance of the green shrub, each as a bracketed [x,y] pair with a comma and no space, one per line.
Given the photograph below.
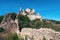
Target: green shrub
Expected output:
[11,36]
[23,21]
[44,38]
[13,15]
[36,23]
[1,18]
[1,30]
[14,36]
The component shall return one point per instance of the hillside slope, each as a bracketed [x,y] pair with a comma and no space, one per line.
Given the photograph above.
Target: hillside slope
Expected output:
[25,22]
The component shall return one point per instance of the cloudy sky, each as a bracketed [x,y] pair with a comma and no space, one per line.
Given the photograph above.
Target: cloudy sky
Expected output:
[48,9]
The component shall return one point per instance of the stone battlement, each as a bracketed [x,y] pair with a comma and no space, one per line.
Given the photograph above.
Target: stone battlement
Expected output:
[30,14]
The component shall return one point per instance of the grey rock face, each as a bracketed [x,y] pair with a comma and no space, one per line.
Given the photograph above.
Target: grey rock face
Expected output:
[7,23]
[39,34]
[7,18]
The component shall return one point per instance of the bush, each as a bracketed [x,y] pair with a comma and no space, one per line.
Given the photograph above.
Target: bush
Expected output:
[36,24]
[23,21]
[1,18]
[1,29]
[13,15]
[44,38]
[14,36]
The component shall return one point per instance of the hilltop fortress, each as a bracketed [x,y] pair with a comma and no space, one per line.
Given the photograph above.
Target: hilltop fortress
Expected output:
[30,14]
[10,25]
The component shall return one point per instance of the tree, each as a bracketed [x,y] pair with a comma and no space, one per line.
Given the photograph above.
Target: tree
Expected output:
[1,29]
[23,21]
[13,15]
[1,18]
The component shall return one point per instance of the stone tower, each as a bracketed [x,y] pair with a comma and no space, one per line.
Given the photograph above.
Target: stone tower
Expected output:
[32,11]
[22,11]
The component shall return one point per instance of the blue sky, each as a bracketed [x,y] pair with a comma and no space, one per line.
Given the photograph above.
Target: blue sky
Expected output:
[48,9]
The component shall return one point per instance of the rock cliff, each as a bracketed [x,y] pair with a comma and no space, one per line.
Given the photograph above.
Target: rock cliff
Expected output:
[39,34]
[25,21]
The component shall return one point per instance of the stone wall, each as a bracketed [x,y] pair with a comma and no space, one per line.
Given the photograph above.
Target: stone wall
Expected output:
[33,17]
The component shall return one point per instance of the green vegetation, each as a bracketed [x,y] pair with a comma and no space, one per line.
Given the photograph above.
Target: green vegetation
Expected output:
[1,18]
[51,25]
[1,30]
[36,24]
[13,15]
[44,38]
[54,21]
[24,22]
[21,38]
[14,36]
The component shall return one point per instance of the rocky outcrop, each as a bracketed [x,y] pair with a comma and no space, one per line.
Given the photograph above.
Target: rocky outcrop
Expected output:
[8,25]
[39,34]
[7,18]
